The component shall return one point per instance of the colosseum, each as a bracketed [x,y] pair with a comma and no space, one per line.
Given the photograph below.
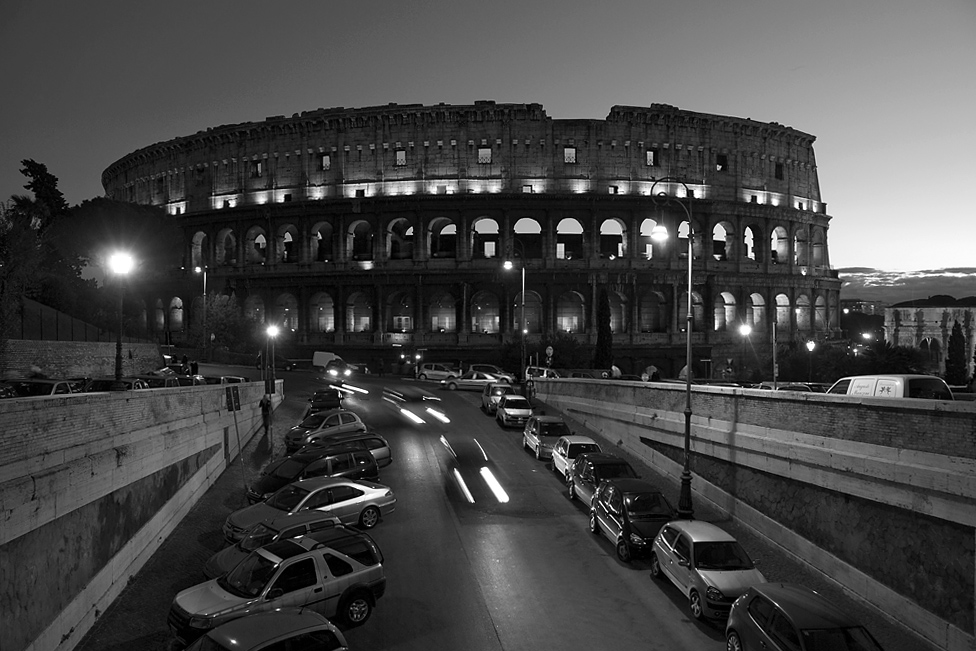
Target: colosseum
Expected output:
[384,230]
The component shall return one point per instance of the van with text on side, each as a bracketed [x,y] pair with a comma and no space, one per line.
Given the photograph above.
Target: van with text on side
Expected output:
[926,387]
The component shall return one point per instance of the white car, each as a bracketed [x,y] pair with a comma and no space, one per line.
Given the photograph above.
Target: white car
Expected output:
[492,393]
[541,433]
[513,411]
[470,381]
[568,448]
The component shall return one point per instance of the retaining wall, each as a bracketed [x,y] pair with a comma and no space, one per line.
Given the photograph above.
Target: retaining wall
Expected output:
[90,486]
[879,495]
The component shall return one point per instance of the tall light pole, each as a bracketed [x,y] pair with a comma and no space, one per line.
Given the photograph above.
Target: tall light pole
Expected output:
[203,270]
[745,330]
[509,265]
[660,233]
[120,264]
[810,346]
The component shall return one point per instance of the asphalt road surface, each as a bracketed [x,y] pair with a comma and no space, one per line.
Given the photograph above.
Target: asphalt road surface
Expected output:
[516,569]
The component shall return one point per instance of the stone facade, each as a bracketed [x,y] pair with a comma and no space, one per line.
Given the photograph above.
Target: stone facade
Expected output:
[368,228]
[927,325]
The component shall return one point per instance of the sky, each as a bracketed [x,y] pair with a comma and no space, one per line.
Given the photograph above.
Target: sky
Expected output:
[888,87]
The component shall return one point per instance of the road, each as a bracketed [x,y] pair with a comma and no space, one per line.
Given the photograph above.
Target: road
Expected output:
[525,573]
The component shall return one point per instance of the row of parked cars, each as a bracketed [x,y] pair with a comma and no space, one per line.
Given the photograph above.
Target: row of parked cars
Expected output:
[707,564]
[300,547]
[164,377]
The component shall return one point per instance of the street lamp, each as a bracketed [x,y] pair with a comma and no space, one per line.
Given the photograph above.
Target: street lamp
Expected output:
[810,346]
[272,332]
[120,264]
[660,233]
[745,330]
[509,265]
[203,270]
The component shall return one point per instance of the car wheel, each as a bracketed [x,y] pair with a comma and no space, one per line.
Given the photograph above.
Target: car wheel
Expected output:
[732,642]
[623,551]
[569,487]
[499,422]
[538,453]
[356,608]
[594,527]
[452,386]
[525,444]
[695,603]
[422,376]
[369,517]
[655,567]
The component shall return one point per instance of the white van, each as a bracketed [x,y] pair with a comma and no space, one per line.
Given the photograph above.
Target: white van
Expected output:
[532,372]
[928,387]
[321,358]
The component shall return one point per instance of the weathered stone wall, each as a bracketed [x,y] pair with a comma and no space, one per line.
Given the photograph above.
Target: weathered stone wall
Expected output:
[90,486]
[61,359]
[877,494]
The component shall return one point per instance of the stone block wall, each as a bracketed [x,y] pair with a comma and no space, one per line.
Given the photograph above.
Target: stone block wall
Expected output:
[90,486]
[61,359]
[877,494]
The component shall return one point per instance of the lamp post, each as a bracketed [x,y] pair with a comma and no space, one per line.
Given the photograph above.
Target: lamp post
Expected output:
[120,264]
[810,346]
[509,265]
[272,332]
[745,330]
[203,270]
[660,233]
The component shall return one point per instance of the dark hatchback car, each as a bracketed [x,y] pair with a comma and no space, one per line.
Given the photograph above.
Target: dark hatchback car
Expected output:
[630,512]
[792,617]
[349,462]
[323,399]
[591,468]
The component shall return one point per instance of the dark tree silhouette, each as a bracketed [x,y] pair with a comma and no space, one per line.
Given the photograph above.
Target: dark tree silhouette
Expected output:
[956,364]
[603,355]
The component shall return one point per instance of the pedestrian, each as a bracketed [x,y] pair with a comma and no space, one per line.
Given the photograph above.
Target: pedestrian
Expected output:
[194,367]
[683,373]
[266,414]
[615,370]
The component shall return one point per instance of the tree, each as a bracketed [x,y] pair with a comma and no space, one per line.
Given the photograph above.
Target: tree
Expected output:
[225,321]
[603,355]
[956,365]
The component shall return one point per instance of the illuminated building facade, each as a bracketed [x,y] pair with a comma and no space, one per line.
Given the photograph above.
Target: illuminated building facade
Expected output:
[364,228]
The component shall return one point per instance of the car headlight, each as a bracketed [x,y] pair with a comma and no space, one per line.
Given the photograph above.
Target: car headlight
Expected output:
[636,539]
[714,594]
[200,621]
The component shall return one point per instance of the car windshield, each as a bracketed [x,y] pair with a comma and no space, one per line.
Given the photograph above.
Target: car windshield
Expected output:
[854,638]
[27,389]
[249,577]
[576,449]
[287,498]
[558,428]
[614,470]
[647,505]
[724,555]
[313,421]
[287,468]
[517,403]
[502,391]
[259,536]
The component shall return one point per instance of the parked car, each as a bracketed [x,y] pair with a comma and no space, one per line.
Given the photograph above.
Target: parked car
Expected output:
[929,387]
[375,444]
[361,503]
[158,380]
[497,371]
[706,563]
[224,379]
[322,424]
[109,384]
[335,572]
[567,448]
[431,371]
[470,381]
[513,411]
[591,468]
[492,393]
[191,380]
[541,433]
[350,462]
[792,617]
[30,387]
[337,370]
[7,391]
[630,512]
[532,372]
[322,400]
[261,534]
[280,363]
[274,631]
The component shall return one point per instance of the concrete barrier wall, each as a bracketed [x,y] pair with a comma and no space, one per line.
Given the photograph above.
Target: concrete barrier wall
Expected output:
[91,485]
[879,495]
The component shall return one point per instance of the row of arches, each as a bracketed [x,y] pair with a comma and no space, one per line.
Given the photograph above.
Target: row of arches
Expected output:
[492,312]
[402,238]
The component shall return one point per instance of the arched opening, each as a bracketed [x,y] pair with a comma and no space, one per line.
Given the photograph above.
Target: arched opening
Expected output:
[820,314]
[286,312]
[485,313]
[226,248]
[485,243]
[749,243]
[443,238]
[321,313]
[254,308]
[359,313]
[724,311]
[722,242]
[176,314]
[322,244]
[569,239]
[801,249]
[528,239]
[533,313]
[697,312]
[782,312]
[648,247]
[756,312]
[779,246]
[199,250]
[443,313]
[399,240]
[613,244]
[360,244]
[570,313]
[618,312]
[652,312]
[401,312]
